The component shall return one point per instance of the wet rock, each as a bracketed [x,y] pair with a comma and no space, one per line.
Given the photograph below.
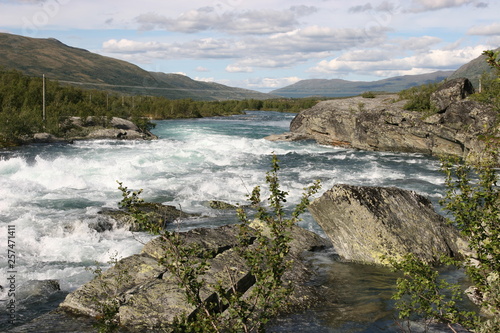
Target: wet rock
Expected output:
[365,223]
[221,205]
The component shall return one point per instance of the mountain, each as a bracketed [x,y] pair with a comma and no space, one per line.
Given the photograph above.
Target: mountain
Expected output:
[473,70]
[75,66]
[341,88]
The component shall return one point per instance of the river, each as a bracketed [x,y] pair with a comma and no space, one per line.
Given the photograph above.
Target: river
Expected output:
[50,196]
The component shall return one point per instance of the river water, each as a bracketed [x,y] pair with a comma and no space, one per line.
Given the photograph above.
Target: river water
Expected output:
[50,196]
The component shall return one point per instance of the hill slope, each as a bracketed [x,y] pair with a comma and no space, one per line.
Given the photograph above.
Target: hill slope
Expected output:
[473,70]
[340,88]
[75,66]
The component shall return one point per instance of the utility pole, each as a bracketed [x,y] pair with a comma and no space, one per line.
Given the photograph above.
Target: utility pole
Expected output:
[43,97]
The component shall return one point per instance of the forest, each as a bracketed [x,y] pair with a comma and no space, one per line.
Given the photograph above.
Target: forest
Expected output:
[22,114]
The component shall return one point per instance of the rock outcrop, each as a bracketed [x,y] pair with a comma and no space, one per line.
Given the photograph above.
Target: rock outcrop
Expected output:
[382,124]
[148,296]
[366,223]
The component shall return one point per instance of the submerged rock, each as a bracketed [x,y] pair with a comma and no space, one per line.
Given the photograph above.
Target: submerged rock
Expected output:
[365,223]
[148,296]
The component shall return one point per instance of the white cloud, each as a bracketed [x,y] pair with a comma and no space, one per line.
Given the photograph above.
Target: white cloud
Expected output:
[238,69]
[204,79]
[276,51]
[271,83]
[202,69]
[429,5]
[421,44]
[485,30]
[414,64]
[255,22]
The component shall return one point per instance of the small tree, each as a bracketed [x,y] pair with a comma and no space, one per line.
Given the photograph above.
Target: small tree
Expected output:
[263,246]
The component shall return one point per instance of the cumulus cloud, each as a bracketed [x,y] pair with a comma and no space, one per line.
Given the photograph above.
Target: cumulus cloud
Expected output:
[385,6]
[204,79]
[391,66]
[238,69]
[428,5]
[271,83]
[202,69]
[485,30]
[276,51]
[421,44]
[264,21]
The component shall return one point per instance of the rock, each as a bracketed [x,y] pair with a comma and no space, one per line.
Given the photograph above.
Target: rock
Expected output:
[108,219]
[366,223]
[48,138]
[288,136]
[221,205]
[94,128]
[450,92]
[124,124]
[149,296]
[36,290]
[381,124]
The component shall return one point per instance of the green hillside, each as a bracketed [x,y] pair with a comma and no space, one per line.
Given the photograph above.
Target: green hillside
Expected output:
[75,66]
[473,70]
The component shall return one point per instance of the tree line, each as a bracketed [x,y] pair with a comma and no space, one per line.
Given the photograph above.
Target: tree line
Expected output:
[21,106]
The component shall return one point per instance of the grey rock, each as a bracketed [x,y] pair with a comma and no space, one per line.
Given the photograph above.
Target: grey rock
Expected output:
[149,296]
[124,124]
[381,124]
[48,138]
[450,92]
[109,219]
[365,223]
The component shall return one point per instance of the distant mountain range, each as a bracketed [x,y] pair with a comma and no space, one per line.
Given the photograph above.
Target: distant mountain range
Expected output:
[80,67]
[341,88]
[75,66]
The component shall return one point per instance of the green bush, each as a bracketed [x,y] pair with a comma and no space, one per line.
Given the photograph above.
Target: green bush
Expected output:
[419,98]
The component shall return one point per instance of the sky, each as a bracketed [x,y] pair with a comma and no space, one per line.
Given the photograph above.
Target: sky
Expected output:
[268,44]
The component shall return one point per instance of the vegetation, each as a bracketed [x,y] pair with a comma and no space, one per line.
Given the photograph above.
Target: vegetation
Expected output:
[419,98]
[368,94]
[21,106]
[264,249]
[473,200]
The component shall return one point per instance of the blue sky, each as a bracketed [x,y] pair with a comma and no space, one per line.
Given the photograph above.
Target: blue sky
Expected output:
[267,44]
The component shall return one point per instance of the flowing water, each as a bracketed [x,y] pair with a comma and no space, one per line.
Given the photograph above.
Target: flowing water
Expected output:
[50,196]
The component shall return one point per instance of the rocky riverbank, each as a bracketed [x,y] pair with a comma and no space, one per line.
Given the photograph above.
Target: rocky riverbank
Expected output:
[94,128]
[382,124]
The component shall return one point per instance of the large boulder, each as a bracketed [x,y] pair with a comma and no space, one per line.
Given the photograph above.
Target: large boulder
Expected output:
[450,92]
[148,296]
[367,223]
